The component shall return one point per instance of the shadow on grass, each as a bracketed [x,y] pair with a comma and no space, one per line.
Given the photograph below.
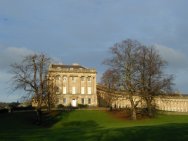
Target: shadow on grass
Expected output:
[86,130]
[51,118]
[17,120]
[81,124]
[89,130]
[165,132]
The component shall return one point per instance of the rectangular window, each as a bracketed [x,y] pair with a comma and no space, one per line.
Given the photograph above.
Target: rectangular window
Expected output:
[73,90]
[89,79]
[82,90]
[57,77]
[57,89]
[73,79]
[82,100]
[89,90]
[64,79]
[64,100]
[89,100]
[64,90]
[82,78]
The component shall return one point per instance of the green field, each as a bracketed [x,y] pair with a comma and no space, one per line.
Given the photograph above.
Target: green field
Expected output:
[91,126]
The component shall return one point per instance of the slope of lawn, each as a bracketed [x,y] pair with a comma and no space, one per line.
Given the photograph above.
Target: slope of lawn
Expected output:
[92,126]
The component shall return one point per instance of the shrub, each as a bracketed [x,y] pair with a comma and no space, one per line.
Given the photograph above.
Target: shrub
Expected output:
[82,105]
[22,108]
[60,106]
[144,112]
[3,110]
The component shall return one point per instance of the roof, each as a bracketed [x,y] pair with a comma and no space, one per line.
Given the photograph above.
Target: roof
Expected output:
[74,66]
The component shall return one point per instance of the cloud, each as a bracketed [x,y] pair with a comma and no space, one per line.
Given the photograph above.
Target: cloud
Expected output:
[177,65]
[177,60]
[10,55]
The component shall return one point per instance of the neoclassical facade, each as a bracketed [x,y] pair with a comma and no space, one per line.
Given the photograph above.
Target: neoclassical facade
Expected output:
[163,103]
[73,84]
[117,99]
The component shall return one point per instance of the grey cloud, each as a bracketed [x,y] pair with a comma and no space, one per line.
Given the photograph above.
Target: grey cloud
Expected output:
[176,59]
[10,55]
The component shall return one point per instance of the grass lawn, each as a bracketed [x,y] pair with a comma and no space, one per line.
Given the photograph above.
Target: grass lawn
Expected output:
[92,126]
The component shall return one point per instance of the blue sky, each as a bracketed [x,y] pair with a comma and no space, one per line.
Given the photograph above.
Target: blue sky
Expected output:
[82,31]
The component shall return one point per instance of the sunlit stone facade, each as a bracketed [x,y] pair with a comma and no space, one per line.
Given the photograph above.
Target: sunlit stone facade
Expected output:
[164,103]
[73,84]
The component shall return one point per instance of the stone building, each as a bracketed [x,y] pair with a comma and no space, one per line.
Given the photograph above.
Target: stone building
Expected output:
[118,99]
[73,84]
[163,103]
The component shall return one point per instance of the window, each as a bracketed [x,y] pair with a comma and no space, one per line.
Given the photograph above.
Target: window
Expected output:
[82,90]
[64,79]
[64,90]
[82,78]
[57,89]
[58,101]
[64,100]
[89,90]
[73,90]
[89,100]
[82,100]
[74,79]
[89,78]
[57,77]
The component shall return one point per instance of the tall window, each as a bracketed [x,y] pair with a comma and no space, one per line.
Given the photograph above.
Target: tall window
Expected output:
[64,100]
[82,78]
[57,77]
[89,90]
[57,89]
[73,79]
[82,90]
[64,78]
[64,90]
[82,100]
[89,79]
[73,90]
[89,100]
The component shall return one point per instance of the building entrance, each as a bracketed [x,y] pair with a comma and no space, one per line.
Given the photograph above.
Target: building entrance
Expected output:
[74,103]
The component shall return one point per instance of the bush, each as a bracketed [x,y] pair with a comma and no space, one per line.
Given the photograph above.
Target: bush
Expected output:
[60,106]
[22,108]
[144,112]
[14,104]
[3,110]
[82,105]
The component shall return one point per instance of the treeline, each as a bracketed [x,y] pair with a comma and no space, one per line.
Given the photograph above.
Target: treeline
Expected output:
[14,106]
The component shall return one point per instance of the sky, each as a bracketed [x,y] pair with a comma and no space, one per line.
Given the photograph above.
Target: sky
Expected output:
[82,31]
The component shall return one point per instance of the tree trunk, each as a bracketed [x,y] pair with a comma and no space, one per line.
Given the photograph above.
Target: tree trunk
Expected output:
[149,107]
[39,116]
[48,103]
[134,117]
[133,109]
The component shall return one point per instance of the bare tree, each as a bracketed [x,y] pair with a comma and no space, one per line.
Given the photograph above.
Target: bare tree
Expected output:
[140,73]
[110,79]
[124,60]
[30,75]
[153,81]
